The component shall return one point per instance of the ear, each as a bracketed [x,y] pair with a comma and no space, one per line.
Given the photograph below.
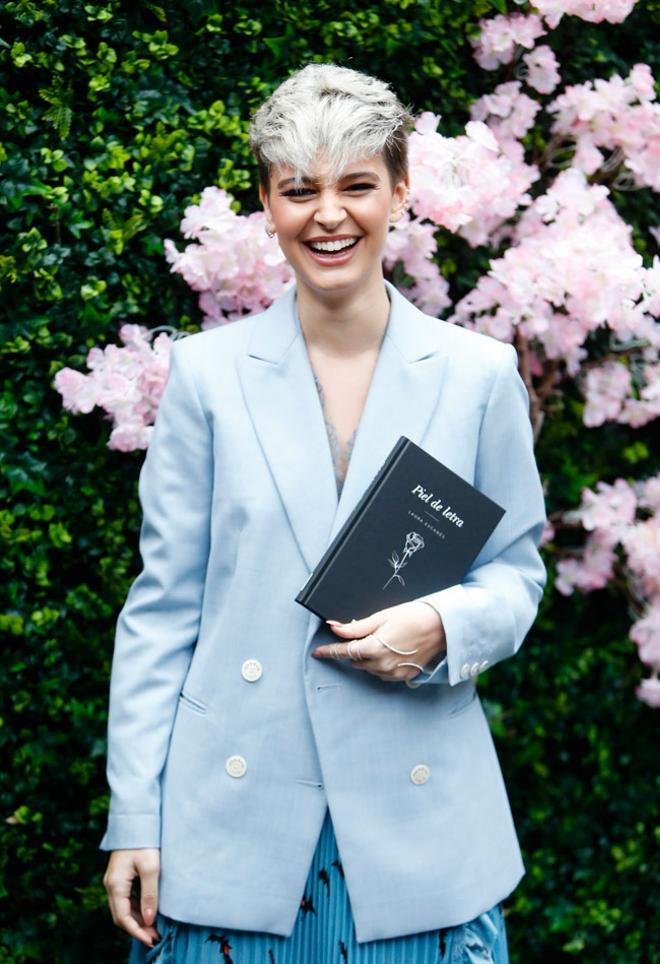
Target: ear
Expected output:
[263,197]
[400,198]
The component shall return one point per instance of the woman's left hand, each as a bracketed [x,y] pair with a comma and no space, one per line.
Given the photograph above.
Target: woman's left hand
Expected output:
[413,627]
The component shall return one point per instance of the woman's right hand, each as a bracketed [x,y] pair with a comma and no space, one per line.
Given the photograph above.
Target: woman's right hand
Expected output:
[132,913]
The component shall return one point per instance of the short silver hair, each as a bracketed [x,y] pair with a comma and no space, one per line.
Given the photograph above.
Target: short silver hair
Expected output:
[333,112]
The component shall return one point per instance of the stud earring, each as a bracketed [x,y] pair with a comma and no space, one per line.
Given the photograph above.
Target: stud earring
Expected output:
[271,234]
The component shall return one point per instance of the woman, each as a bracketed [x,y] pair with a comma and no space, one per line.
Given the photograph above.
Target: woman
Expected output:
[234,756]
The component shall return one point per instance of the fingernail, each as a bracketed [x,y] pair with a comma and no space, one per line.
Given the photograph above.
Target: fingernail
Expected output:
[334,622]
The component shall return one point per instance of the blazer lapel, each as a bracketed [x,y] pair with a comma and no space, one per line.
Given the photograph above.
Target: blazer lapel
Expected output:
[285,408]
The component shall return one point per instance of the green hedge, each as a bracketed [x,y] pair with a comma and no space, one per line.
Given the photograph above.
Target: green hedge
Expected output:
[113,117]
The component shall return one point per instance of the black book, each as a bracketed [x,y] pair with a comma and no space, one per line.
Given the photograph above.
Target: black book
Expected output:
[417,528]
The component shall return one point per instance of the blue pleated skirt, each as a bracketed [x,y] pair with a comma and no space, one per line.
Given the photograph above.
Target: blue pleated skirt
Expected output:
[324,932]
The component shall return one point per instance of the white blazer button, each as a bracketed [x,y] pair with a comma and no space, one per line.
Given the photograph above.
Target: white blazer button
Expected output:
[251,670]
[474,669]
[420,773]
[236,766]
[484,664]
[465,670]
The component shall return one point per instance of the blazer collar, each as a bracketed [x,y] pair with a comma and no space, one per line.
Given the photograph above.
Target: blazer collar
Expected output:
[280,393]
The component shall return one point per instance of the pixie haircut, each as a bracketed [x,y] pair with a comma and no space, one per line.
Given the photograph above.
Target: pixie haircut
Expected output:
[330,112]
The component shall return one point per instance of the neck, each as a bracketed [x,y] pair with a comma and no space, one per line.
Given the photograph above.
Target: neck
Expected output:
[344,323]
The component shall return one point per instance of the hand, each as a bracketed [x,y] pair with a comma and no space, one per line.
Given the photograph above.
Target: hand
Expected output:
[412,626]
[134,915]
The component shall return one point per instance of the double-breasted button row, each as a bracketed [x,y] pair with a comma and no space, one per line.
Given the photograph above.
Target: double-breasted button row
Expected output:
[236,765]
[468,671]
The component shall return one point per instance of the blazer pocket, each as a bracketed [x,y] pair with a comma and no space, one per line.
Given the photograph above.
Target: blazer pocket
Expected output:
[195,705]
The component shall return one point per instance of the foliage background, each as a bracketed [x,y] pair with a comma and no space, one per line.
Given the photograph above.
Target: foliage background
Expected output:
[113,117]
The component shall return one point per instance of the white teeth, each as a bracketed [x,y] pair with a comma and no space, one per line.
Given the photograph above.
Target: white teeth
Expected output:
[333,245]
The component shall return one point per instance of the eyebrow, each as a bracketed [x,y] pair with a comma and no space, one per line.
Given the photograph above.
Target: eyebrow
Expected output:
[347,177]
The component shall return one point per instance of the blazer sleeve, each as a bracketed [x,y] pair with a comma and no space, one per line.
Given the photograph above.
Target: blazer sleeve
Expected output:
[157,627]
[488,615]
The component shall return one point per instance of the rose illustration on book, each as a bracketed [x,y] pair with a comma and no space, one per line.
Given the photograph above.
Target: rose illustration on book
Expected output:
[413,542]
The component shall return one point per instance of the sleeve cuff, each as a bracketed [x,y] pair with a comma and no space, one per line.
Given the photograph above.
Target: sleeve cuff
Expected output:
[450,605]
[131,831]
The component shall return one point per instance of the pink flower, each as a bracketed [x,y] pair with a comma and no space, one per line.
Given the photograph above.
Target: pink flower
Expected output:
[126,381]
[646,633]
[543,69]
[592,571]
[500,35]
[614,11]
[79,393]
[606,388]
[648,692]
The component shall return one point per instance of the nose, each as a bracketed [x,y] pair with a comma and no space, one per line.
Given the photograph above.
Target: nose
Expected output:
[329,210]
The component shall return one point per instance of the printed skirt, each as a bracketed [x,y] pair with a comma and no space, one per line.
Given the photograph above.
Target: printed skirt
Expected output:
[324,932]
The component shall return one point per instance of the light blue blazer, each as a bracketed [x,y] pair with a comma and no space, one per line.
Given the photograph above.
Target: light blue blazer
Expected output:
[226,738]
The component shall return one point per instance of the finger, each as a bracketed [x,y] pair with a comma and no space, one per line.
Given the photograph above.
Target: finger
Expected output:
[332,651]
[149,870]
[355,627]
[365,648]
[125,906]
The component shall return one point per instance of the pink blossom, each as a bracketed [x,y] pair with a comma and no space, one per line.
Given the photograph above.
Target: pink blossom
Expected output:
[619,115]
[542,69]
[642,545]
[232,262]
[126,381]
[593,570]
[412,242]
[496,44]
[648,692]
[648,493]
[79,393]
[639,411]
[507,112]
[570,270]
[614,11]
[611,507]
[548,533]
[606,388]
[460,182]
[646,633]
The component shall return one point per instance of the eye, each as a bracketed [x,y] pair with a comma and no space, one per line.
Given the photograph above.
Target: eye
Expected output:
[359,187]
[297,192]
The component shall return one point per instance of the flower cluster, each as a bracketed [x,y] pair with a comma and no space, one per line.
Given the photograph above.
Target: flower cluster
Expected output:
[623,518]
[595,11]
[127,382]
[500,36]
[465,183]
[609,394]
[233,263]
[570,270]
[620,115]
[411,242]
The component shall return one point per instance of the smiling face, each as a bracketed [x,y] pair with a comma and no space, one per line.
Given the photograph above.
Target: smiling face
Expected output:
[333,234]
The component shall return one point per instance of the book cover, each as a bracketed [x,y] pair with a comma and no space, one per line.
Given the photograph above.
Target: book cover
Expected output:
[416,529]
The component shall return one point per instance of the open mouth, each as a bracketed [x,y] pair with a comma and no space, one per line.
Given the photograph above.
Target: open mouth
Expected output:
[328,252]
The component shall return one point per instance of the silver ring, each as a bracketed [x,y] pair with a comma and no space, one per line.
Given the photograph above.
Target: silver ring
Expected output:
[351,654]
[409,682]
[337,656]
[416,665]
[401,652]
